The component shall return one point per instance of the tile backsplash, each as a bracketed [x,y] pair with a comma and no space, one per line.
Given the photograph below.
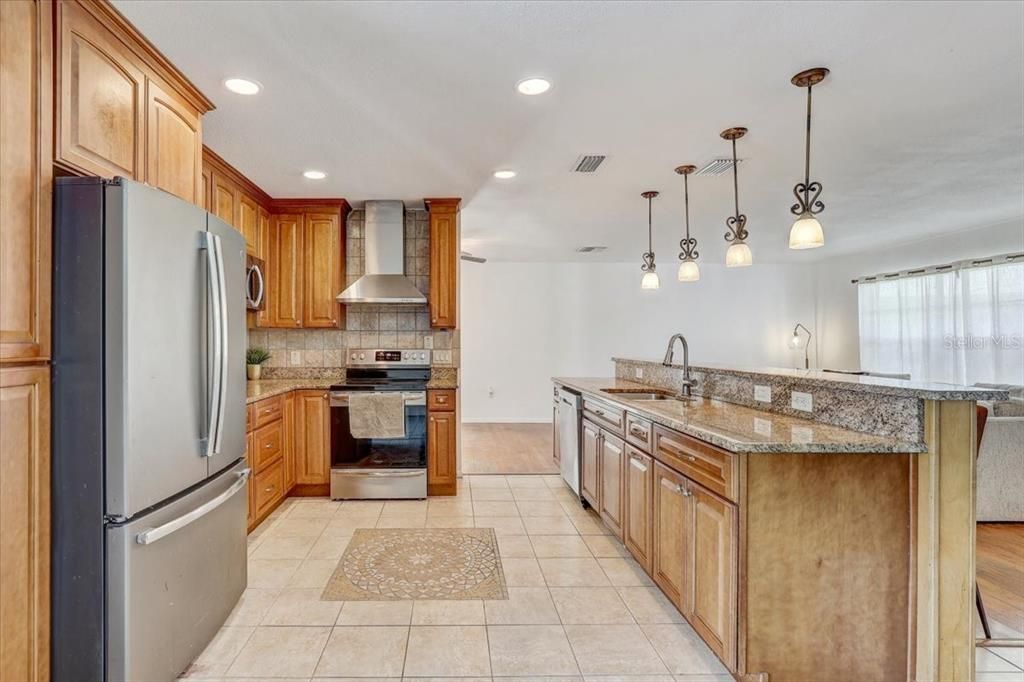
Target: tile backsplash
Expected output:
[366,325]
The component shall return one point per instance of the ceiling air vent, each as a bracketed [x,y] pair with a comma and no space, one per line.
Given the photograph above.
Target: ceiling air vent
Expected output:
[591,249]
[588,163]
[716,167]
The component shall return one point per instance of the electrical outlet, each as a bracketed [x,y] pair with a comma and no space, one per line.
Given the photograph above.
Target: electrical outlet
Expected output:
[802,401]
[638,373]
[490,391]
[428,341]
[763,394]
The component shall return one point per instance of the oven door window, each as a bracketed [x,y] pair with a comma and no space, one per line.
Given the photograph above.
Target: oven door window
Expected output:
[380,453]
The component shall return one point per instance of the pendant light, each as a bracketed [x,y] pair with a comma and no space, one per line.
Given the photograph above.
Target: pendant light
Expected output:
[806,232]
[738,255]
[650,279]
[688,269]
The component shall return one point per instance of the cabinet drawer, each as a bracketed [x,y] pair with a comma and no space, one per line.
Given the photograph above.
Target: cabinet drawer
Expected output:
[639,432]
[442,400]
[268,410]
[712,467]
[269,444]
[269,486]
[610,418]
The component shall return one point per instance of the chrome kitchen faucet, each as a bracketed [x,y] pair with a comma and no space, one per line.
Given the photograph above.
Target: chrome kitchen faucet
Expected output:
[687,383]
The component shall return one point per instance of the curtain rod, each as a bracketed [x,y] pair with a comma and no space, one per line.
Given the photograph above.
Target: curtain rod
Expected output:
[946,267]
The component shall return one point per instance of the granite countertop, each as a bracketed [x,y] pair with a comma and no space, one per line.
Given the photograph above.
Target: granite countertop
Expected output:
[737,428]
[268,388]
[854,382]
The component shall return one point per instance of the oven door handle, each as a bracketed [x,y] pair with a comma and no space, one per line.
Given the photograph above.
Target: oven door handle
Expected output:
[383,474]
[340,398]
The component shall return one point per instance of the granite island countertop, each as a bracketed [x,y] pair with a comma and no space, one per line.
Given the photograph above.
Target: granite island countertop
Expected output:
[738,428]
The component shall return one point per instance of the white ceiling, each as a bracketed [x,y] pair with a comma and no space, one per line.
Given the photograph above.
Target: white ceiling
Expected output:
[919,129]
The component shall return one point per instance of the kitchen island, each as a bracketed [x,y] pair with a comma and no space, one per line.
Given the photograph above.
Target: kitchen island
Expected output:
[798,548]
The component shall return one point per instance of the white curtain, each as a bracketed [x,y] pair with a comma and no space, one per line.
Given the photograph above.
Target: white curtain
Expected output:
[961,326]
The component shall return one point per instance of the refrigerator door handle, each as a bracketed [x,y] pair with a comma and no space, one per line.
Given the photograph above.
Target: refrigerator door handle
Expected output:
[222,368]
[210,244]
[151,535]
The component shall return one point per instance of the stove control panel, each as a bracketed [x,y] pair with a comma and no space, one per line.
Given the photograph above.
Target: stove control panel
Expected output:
[379,357]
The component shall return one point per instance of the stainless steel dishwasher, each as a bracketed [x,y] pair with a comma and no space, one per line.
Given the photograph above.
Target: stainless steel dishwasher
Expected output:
[569,407]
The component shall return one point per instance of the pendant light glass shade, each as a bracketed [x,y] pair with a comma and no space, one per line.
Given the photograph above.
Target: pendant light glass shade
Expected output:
[650,280]
[689,271]
[739,256]
[806,233]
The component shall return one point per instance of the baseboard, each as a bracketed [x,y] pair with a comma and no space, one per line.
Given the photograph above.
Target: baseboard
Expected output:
[507,420]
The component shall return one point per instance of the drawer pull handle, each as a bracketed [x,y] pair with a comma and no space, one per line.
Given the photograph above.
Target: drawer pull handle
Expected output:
[268,488]
[638,431]
[268,446]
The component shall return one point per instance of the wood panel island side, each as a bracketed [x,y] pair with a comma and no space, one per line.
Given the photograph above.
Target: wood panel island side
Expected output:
[836,544]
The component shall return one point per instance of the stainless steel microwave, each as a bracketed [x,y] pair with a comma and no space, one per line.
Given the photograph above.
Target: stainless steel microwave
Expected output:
[255,284]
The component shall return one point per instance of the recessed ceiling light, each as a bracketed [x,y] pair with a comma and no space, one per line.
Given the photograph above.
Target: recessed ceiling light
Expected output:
[533,86]
[314,175]
[505,174]
[242,86]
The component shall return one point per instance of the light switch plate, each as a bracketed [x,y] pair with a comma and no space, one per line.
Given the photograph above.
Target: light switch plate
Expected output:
[763,394]
[802,401]
[638,372]
[428,341]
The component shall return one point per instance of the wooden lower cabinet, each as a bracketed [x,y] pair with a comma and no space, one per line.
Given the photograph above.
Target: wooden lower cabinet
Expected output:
[312,438]
[711,562]
[25,529]
[442,436]
[590,446]
[638,526]
[250,450]
[288,419]
[670,515]
[610,503]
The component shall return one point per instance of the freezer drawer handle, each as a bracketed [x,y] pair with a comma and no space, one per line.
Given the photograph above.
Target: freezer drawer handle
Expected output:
[386,474]
[151,535]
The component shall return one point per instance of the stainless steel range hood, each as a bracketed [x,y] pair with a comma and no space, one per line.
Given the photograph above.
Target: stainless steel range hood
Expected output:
[384,265]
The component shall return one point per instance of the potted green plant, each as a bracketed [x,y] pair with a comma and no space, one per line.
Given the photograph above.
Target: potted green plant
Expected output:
[254,357]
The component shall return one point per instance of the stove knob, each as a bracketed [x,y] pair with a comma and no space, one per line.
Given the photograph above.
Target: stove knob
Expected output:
[353,356]
[423,356]
[362,356]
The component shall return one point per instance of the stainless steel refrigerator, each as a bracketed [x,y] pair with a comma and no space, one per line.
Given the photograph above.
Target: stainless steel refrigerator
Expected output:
[149,478]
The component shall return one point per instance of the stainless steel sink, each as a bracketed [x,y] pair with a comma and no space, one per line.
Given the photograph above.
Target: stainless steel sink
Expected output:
[633,396]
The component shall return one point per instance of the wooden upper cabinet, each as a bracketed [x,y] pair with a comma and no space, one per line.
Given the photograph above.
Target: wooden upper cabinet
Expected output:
[590,464]
[444,262]
[284,271]
[672,512]
[312,438]
[712,563]
[248,213]
[321,257]
[26,180]
[638,484]
[613,455]
[25,510]
[224,199]
[205,195]
[121,108]
[174,147]
[100,98]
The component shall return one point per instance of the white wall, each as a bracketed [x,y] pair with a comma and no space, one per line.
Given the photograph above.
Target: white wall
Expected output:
[836,309]
[522,323]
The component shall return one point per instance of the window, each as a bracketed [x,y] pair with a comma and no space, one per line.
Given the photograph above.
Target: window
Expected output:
[961,326]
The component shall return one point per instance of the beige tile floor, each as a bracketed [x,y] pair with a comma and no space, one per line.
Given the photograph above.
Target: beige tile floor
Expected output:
[579,608]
